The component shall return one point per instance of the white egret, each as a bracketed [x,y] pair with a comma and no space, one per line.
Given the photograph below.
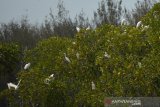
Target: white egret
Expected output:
[139,64]
[125,31]
[77,55]
[93,86]
[27,66]
[139,24]
[106,55]
[51,76]
[78,29]
[123,22]
[73,43]
[88,28]
[13,85]
[145,28]
[66,58]
[47,80]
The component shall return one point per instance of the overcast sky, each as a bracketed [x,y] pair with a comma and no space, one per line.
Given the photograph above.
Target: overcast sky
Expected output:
[36,10]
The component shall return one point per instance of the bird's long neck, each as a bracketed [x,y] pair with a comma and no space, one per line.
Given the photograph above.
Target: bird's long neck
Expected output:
[65,55]
[18,82]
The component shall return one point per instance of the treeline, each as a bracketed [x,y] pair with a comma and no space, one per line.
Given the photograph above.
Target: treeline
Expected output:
[108,12]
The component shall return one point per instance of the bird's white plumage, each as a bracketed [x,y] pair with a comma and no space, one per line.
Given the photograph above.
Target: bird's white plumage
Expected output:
[106,55]
[13,85]
[73,43]
[77,55]
[123,22]
[93,85]
[51,76]
[139,64]
[66,58]
[88,28]
[27,66]
[47,80]
[78,29]
[139,24]
[145,28]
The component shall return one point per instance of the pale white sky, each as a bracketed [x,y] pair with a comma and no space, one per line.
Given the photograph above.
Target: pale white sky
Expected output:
[36,10]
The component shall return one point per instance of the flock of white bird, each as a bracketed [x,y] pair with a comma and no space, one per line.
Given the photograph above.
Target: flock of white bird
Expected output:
[139,24]
[46,81]
[51,77]
[106,55]
[78,29]
[11,85]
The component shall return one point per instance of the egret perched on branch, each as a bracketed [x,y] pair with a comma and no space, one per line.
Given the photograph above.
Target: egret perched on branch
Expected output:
[78,29]
[27,66]
[93,85]
[139,24]
[13,85]
[47,80]
[73,43]
[106,55]
[145,28]
[66,58]
[139,64]
[51,76]
[88,28]
[123,22]
[77,55]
